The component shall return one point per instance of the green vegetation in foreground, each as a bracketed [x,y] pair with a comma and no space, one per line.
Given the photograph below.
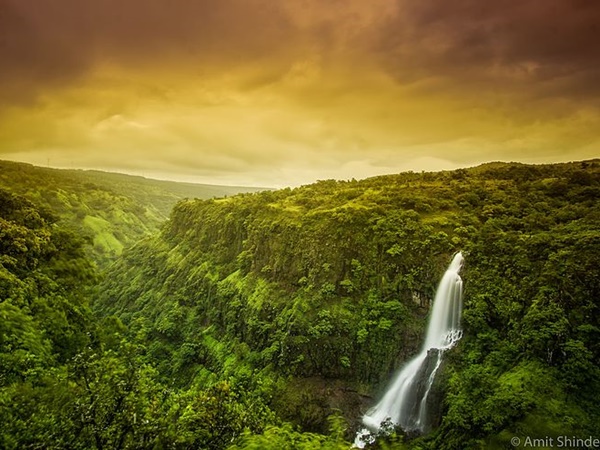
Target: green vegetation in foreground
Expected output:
[112,210]
[265,320]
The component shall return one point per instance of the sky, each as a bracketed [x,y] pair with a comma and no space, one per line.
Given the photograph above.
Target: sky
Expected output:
[286,92]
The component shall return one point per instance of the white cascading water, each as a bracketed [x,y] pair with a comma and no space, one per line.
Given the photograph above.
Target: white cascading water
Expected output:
[405,402]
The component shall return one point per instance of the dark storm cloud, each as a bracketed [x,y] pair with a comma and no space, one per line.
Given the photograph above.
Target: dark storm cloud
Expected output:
[473,41]
[495,41]
[52,41]
[313,88]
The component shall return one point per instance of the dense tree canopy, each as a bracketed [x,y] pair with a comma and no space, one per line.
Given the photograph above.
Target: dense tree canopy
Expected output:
[273,319]
[112,210]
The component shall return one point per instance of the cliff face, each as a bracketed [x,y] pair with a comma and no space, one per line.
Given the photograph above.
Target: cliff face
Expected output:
[315,291]
[330,281]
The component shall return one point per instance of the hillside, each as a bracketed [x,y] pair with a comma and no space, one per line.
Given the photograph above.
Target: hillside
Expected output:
[323,290]
[275,319]
[112,210]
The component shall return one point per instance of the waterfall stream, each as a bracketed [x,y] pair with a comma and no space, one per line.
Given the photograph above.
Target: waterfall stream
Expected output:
[405,402]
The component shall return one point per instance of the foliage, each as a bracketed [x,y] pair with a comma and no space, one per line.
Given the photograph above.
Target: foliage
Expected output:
[71,380]
[247,321]
[112,210]
[332,280]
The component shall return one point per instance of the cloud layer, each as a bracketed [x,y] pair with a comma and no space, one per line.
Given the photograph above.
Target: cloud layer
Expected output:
[276,93]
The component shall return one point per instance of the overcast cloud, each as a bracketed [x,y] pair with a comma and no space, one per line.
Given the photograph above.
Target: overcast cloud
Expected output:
[282,93]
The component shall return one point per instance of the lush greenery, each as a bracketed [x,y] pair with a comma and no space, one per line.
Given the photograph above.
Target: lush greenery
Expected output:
[111,210]
[271,320]
[71,380]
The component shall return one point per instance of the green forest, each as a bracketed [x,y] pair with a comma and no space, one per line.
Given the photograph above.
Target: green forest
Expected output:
[111,210]
[149,315]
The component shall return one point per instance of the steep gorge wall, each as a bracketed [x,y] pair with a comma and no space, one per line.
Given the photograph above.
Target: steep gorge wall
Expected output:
[315,293]
[320,282]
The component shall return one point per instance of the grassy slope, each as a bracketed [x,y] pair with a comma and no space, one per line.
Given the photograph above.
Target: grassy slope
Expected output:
[162,194]
[112,210]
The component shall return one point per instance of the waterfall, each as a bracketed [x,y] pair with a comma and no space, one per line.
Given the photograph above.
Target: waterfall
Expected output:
[405,402]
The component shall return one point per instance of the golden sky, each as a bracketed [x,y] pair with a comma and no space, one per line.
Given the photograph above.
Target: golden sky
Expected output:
[285,92]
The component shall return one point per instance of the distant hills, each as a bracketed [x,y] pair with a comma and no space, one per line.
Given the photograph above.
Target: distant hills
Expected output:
[111,209]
